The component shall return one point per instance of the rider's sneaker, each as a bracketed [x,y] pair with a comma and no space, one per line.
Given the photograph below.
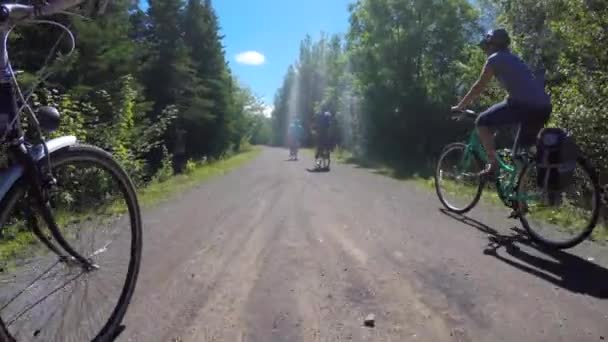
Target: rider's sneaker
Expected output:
[490,172]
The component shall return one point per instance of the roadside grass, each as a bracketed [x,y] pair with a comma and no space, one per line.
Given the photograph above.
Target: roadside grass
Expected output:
[563,216]
[395,169]
[196,173]
[16,238]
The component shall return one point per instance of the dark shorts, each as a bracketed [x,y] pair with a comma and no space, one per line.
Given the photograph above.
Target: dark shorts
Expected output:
[323,141]
[531,118]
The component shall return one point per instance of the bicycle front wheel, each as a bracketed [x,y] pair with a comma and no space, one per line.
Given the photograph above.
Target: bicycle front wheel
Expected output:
[457,181]
[47,296]
[560,220]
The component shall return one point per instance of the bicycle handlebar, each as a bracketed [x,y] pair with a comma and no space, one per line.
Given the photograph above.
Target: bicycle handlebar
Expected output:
[16,11]
[12,14]
[464,113]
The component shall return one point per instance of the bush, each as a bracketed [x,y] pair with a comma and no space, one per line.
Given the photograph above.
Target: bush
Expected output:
[166,169]
[191,166]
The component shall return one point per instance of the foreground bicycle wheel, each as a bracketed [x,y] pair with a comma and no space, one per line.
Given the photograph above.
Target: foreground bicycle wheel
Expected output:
[457,183]
[565,220]
[45,297]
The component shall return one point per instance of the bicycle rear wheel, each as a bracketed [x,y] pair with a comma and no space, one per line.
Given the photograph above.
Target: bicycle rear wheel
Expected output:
[48,297]
[326,161]
[573,215]
[457,183]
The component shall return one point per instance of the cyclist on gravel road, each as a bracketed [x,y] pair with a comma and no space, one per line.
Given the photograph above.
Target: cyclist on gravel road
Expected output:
[294,134]
[322,124]
[527,102]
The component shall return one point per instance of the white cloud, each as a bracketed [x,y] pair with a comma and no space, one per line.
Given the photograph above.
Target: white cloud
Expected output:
[250,58]
[268,110]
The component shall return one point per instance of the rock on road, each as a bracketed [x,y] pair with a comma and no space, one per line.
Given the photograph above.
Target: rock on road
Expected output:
[271,252]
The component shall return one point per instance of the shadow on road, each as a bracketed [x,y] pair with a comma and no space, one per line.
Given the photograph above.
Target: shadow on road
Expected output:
[566,270]
[396,169]
[317,170]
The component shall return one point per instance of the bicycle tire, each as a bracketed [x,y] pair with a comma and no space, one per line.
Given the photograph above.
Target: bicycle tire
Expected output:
[585,233]
[326,160]
[97,156]
[5,336]
[447,149]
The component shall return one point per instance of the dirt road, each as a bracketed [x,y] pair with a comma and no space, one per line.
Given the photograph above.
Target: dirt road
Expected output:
[271,252]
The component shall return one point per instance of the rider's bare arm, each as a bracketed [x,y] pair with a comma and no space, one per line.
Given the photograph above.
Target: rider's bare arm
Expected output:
[486,76]
[90,7]
[15,12]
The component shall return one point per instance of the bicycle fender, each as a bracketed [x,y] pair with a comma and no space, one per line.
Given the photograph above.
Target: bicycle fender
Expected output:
[9,176]
[53,145]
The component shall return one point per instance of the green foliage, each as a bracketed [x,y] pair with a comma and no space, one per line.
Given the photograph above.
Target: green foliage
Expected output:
[191,166]
[568,38]
[390,82]
[137,79]
[262,131]
[166,169]
[402,64]
[72,112]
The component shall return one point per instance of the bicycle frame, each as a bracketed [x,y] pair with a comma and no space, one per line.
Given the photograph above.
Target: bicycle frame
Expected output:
[25,158]
[505,186]
[36,153]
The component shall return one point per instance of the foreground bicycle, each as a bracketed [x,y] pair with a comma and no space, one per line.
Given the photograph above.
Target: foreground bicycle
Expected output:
[557,202]
[70,237]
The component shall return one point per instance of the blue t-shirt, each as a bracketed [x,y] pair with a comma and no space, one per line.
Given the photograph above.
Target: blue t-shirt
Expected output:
[296,130]
[515,76]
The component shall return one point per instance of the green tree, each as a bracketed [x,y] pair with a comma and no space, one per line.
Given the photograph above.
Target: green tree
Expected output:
[567,38]
[406,56]
[137,78]
[282,106]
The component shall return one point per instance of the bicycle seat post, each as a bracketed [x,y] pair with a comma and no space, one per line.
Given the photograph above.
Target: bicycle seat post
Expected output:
[519,151]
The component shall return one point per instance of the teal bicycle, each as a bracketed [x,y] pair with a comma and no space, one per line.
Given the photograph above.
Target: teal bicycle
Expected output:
[558,220]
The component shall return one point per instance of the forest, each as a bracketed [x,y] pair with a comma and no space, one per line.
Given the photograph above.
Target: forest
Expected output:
[393,76]
[151,86]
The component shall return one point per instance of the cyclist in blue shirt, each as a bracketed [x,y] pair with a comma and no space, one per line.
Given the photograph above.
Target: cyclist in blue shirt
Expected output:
[527,103]
[295,133]
[322,127]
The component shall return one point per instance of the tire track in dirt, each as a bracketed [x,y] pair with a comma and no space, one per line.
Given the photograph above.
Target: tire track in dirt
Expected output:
[271,252]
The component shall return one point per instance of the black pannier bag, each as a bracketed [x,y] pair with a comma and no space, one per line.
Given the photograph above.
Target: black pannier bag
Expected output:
[556,161]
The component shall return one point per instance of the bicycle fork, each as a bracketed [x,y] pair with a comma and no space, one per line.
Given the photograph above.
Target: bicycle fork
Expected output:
[40,182]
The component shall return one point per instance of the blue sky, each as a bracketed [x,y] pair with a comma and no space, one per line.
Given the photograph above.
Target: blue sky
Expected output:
[273,29]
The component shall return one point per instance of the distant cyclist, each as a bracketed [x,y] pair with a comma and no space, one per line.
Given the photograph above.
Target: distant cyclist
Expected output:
[294,137]
[527,102]
[322,125]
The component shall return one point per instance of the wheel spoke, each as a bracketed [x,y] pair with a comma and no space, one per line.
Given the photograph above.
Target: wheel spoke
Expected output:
[457,182]
[92,207]
[560,219]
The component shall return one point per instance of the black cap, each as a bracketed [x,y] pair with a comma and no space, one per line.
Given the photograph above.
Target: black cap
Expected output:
[498,38]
